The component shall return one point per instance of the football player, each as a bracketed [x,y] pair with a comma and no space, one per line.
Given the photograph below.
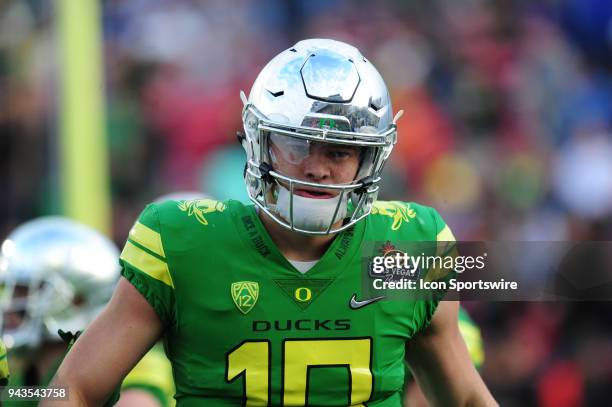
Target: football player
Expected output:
[55,274]
[58,274]
[261,304]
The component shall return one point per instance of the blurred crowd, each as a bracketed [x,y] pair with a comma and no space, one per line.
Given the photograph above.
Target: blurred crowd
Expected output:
[507,131]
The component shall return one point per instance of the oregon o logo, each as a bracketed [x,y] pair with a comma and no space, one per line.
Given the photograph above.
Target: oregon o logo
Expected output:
[303,294]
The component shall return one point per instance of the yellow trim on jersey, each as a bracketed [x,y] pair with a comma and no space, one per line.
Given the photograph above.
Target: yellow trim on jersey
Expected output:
[153,370]
[4,367]
[445,235]
[147,263]
[148,238]
[448,248]
[473,340]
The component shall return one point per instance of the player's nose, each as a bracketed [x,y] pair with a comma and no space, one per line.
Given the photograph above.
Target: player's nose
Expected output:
[316,168]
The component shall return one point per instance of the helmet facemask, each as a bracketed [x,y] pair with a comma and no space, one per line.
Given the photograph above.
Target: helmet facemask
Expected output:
[26,305]
[274,192]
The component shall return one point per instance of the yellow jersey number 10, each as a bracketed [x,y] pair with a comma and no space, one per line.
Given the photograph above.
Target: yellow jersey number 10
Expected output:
[251,359]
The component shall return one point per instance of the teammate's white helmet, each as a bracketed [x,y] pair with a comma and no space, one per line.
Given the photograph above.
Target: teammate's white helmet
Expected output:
[55,274]
[325,91]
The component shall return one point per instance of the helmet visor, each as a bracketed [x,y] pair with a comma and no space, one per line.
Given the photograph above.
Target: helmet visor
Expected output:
[288,154]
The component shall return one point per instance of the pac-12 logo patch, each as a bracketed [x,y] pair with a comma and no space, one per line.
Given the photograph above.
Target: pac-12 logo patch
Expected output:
[245,295]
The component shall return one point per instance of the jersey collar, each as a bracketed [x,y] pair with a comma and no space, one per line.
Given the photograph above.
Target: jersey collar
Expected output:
[342,249]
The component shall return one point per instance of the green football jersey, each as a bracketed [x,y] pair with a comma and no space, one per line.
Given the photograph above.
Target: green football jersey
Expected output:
[243,326]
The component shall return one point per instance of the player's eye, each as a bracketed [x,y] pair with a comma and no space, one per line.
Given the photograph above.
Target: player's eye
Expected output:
[340,154]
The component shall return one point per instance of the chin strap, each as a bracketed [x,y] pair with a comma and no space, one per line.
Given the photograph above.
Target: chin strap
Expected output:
[264,169]
[68,337]
[241,137]
[366,183]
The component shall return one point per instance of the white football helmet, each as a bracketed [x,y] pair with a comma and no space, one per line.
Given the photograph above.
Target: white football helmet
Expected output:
[55,274]
[321,91]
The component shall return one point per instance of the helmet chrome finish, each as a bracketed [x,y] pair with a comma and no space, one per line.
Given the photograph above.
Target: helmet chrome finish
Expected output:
[320,90]
[67,273]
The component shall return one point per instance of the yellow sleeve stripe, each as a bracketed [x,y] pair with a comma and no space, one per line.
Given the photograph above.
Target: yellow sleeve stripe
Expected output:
[448,247]
[154,370]
[473,341]
[147,263]
[445,235]
[443,249]
[147,238]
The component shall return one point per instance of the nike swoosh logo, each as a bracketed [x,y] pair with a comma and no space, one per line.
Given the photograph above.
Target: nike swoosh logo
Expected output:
[356,304]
